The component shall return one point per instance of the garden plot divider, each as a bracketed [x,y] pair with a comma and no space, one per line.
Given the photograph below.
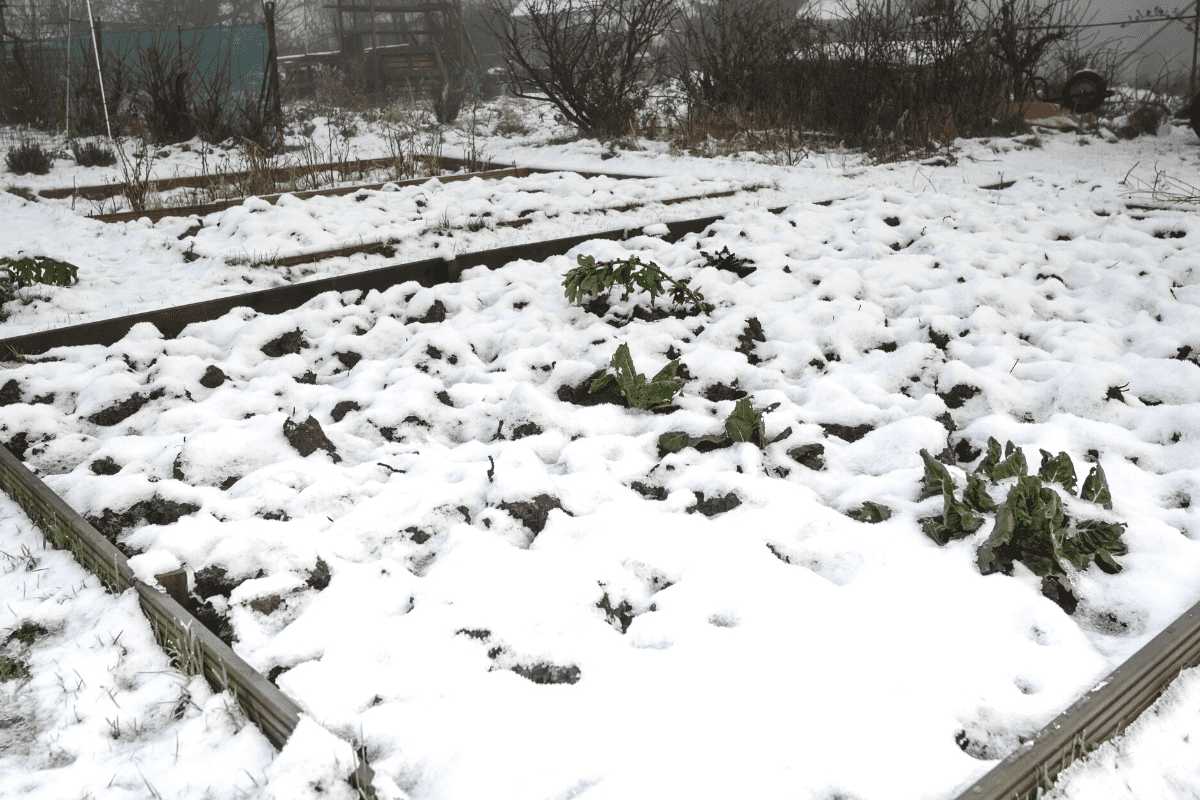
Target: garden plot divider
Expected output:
[196,650]
[430,272]
[1100,714]
[107,190]
[154,215]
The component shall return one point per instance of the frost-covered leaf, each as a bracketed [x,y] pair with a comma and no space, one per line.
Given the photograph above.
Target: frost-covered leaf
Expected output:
[937,477]
[871,512]
[1013,465]
[976,496]
[673,442]
[1058,469]
[745,424]
[991,459]
[1095,488]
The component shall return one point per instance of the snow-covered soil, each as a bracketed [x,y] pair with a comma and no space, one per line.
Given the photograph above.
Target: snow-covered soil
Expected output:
[505,591]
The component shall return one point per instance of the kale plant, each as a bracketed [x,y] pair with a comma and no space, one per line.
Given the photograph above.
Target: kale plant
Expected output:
[596,278]
[640,393]
[1032,525]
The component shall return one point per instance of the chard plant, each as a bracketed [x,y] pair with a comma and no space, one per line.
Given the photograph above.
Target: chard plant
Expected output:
[596,278]
[745,424]
[1032,525]
[639,393]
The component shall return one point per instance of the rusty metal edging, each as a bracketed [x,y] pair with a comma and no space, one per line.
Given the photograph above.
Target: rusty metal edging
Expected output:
[430,272]
[196,649]
[1099,715]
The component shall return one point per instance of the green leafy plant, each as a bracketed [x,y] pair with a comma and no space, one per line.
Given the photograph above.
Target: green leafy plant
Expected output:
[596,278]
[957,519]
[745,424]
[27,271]
[29,157]
[639,393]
[1032,525]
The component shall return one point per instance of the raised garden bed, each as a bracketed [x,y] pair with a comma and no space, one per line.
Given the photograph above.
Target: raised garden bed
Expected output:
[424,470]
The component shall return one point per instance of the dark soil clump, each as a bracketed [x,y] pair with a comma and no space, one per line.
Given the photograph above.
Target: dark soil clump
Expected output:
[752,333]
[532,514]
[10,393]
[436,313]
[308,437]
[289,343]
[121,411]
[809,455]
[155,511]
[719,391]
[619,616]
[214,580]
[104,466]
[965,453]
[649,492]
[548,673]
[716,505]
[581,396]
[849,433]
[318,577]
[959,395]
[213,377]
[527,429]
[349,359]
[342,409]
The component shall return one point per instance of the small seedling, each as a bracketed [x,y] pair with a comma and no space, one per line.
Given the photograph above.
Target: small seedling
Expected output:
[596,278]
[745,424]
[640,393]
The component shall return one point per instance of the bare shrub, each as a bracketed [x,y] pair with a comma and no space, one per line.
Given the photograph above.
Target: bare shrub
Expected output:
[896,81]
[591,58]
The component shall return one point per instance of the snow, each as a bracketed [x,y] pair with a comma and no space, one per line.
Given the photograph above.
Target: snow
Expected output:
[481,532]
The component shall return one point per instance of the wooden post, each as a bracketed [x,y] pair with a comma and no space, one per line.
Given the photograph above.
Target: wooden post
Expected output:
[375,52]
[273,75]
[1195,43]
[176,584]
[341,33]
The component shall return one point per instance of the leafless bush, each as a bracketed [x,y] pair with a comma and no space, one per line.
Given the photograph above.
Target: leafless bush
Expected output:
[590,58]
[895,81]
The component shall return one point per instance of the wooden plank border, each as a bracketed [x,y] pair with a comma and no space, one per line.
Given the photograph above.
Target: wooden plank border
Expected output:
[1096,717]
[196,650]
[430,272]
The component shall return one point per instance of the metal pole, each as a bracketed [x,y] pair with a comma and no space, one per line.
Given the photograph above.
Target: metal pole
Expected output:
[67,61]
[99,74]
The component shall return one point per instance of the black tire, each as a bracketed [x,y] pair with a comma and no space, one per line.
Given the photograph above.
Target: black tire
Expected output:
[1084,92]
[1193,114]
